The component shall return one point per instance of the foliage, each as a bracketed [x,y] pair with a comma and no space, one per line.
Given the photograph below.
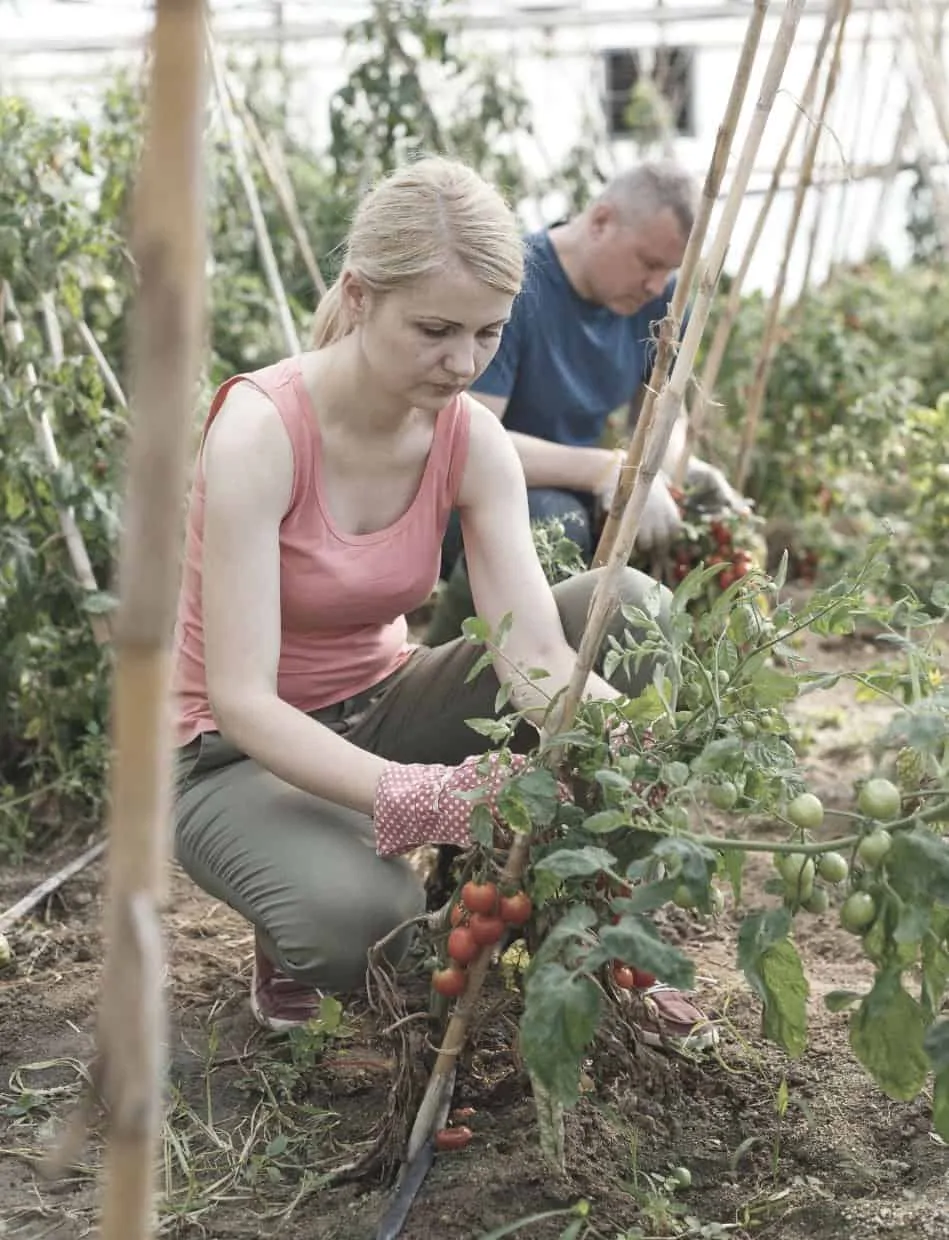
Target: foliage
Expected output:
[853,427]
[641,830]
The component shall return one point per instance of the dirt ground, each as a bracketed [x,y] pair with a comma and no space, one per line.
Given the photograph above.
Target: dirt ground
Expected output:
[255,1127]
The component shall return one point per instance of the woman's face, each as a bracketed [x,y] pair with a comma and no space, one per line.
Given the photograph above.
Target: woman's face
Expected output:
[430,340]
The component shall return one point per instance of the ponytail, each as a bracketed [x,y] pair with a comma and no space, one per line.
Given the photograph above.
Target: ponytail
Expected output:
[331,322]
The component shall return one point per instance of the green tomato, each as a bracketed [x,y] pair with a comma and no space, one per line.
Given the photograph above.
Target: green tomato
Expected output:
[682,1177]
[723,677]
[942,472]
[806,811]
[717,901]
[857,912]
[874,847]
[723,796]
[880,799]
[798,872]
[749,729]
[683,897]
[677,817]
[818,901]
[833,867]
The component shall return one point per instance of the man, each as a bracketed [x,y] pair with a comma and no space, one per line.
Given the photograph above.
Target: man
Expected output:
[580,344]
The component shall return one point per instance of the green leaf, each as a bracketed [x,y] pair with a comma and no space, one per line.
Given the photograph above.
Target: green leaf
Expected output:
[277,1146]
[561,1012]
[577,862]
[936,1045]
[540,794]
[99,602]
[886,1035]
[784,1019]
[772,687]
[941,1104]
[773,969]
[637,941]
[606,820]
[483,661]
[840,1000]
[474,629]
[734,862]
[481,825]
[918,866]
[498,730]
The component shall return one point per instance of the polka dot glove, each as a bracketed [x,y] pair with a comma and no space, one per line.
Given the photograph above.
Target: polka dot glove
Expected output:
[415,804]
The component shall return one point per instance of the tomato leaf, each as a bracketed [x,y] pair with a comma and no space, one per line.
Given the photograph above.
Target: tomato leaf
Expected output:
[539,793]
[577,862]
[606,820]
[637,941]
[481,826]
[886,1035]
[918,866]
[941,1104]
[936,1045]
[840,1000]
[734,861]
[774,971]
[784,1019]
[561,1011]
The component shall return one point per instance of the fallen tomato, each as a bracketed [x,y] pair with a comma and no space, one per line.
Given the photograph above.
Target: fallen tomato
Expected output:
[453,1138]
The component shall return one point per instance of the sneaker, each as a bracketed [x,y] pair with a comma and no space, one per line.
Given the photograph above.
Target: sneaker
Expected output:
[670,1019]
[278,1001]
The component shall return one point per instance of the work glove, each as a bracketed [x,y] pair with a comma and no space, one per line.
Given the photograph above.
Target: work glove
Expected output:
[660,520]
[713,488]
[415,802]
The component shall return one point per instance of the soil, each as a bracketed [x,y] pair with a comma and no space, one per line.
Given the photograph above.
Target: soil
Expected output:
[255,1125]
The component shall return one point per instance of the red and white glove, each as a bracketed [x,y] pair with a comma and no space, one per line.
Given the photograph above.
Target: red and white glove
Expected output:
[414,804]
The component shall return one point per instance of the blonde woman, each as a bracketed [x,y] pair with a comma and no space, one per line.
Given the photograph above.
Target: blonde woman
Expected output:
[316,743]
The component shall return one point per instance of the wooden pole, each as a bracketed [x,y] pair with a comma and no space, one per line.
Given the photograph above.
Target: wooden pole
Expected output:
[723,329]
[763,365]
[168,241]
[46,441]
[670,326]
[267,256]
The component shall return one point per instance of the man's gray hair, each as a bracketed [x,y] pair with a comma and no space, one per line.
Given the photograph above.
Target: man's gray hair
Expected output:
[659,185]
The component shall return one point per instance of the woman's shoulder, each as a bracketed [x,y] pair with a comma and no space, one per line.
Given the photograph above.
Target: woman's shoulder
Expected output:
[492,457]
[247,448]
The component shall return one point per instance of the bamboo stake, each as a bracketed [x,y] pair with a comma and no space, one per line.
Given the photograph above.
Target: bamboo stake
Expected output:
[109,376]
[605,600]
[763,366]
[169,244]
[723,329]
[276,171]
[234,138]
[46,440]
[670,326]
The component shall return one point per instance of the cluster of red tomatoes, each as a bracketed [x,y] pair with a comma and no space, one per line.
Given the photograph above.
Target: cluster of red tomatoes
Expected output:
[737,560]
[478,920]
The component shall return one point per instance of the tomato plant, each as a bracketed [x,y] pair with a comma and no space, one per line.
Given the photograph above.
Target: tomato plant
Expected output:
[714,719]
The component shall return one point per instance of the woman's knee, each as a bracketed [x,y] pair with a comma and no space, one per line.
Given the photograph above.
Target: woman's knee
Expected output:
[326,941]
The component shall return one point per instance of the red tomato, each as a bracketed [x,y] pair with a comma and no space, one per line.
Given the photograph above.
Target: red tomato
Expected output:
[461,946]
[485,930]
[480,897]
[727,578]
[450,981]
[642,979]
[453,1138]
[459,915]
[623,976]
[516,909]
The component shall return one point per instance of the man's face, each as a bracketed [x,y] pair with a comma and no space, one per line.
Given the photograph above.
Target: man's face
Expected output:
[628,265]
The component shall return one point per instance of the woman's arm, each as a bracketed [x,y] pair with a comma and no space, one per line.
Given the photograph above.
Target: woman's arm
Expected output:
[505,573]
[248,467]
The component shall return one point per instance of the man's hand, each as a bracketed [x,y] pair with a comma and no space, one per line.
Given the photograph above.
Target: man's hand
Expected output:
[660,520]
[714,487]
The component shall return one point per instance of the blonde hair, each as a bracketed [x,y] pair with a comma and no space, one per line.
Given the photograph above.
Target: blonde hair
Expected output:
[411,223]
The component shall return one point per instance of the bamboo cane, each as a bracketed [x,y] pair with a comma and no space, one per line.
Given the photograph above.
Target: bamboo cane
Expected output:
[723,329]
[169,245]
[606,597]
[763,366]
[838,246]
[245,176]
[282,186]
[109,377]
[670,326]
[46,440]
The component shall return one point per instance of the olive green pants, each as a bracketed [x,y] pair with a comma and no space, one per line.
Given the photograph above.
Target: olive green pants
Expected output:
[304,871]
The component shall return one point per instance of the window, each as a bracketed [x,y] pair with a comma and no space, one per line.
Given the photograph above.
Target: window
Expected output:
[639,83]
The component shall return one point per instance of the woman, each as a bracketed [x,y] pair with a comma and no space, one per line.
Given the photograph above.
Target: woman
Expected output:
[316,745]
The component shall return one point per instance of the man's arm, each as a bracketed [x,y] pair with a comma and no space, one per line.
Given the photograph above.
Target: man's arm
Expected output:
[547,464]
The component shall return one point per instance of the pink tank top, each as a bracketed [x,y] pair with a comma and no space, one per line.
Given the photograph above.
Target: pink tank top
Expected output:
[343,597]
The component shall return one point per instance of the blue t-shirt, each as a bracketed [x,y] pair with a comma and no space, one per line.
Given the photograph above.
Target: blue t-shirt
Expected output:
[564,363]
